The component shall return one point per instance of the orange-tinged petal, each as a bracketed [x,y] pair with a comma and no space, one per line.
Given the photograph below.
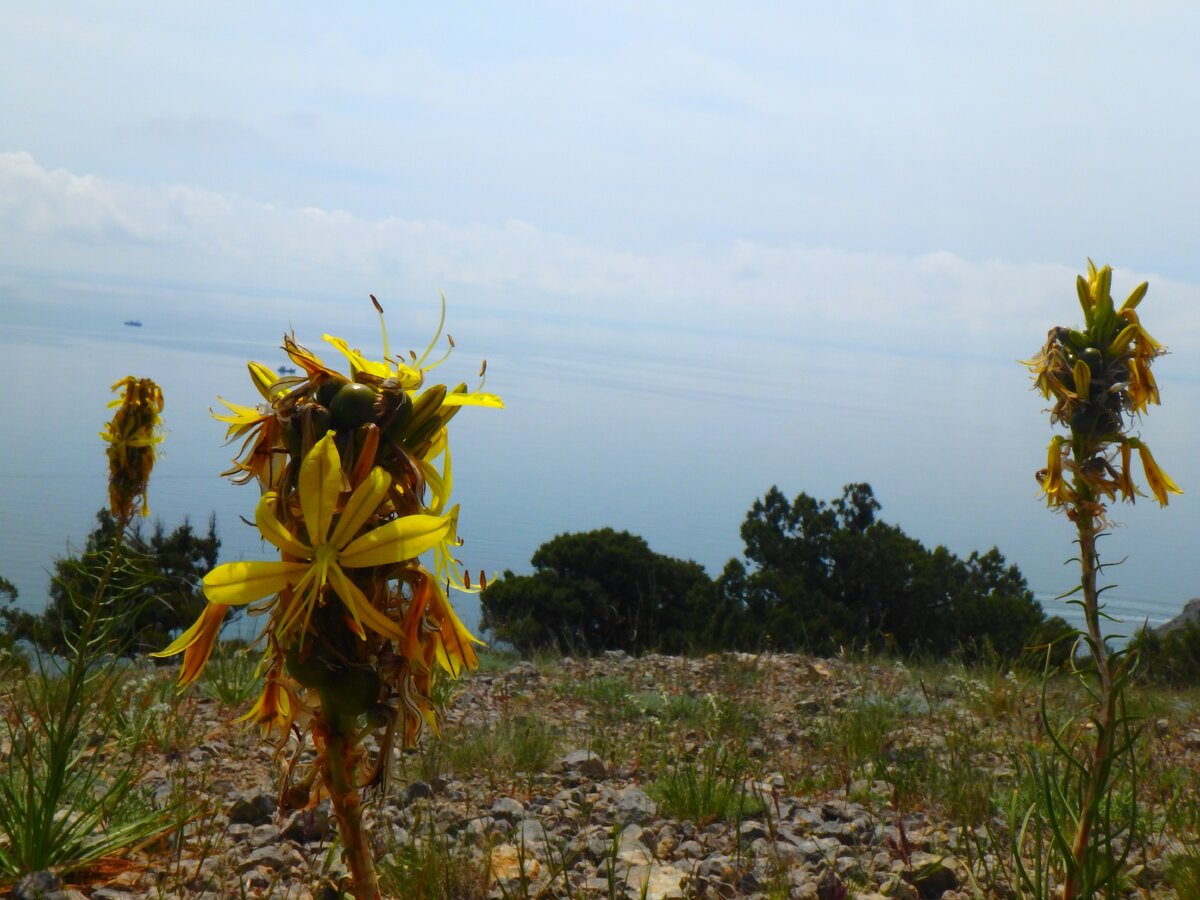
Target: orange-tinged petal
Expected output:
[196,643]
[396,541]
[239,583]
[1160,482]
[454,648]
[272,709]
[320,485]
[192,634]
[274,531]
[361,505]
[306,359]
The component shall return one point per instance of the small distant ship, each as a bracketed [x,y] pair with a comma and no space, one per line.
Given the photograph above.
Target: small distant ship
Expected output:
[282,370]
[134,323]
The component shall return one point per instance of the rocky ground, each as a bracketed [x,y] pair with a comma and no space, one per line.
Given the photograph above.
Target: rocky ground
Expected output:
[734,776]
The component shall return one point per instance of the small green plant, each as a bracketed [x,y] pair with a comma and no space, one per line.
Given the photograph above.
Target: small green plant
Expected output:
[528,744]
[707,787]
[432,866]
[1083,817]
[1183,873]
[231,676]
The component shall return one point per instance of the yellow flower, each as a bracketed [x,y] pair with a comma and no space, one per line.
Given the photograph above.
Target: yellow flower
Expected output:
[273,708]
[1052,482]
[309,569]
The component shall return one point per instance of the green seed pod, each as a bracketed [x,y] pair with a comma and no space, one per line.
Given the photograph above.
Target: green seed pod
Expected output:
[401,414]
[352,406]
[351,692]
[307,666]
[328,390]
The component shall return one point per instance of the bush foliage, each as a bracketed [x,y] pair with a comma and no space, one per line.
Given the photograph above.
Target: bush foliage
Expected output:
[157,581]
[599,590]
[815,576]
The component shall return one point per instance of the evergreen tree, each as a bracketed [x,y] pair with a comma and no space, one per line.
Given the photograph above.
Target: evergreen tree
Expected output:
[155,589]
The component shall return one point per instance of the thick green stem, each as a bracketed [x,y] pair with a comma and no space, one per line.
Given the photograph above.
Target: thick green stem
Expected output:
[341,762]
[1100,764]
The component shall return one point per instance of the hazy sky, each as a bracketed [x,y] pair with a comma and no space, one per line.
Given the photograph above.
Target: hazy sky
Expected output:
[794,244]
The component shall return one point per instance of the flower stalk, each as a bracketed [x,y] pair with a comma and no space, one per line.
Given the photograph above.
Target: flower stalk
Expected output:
[355,477]
[1099,380]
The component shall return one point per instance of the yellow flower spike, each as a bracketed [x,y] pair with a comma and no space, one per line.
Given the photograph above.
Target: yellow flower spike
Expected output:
[196,644]
[331,548]
[1160,482]
[135,429]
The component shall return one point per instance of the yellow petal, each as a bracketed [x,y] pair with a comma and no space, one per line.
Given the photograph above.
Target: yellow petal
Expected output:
[274,531]
[263,378]
[396,541]
[361,505]
[239,583]
[358,362]
[476,399]
[361,608]
[242,415]
[320,485]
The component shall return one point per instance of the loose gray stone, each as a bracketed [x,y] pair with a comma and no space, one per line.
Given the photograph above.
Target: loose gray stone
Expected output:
[417,790]
[252,808]
[508,808]
[262,835]
[635,805]
[752,830]
[268,857]
[585,763]
[931,875]
[309,826]
[36,886]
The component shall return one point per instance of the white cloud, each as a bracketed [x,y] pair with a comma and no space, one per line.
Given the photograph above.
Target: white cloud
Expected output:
[933,303]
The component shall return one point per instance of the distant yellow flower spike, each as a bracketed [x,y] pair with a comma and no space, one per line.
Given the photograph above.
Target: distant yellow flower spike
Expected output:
[132,434]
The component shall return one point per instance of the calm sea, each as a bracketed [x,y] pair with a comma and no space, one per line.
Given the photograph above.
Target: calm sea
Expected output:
[670,440]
